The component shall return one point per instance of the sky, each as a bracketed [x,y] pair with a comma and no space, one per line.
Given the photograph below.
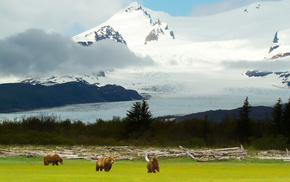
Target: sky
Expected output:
[35,35]
[174,7]
[71,17]
[195,7]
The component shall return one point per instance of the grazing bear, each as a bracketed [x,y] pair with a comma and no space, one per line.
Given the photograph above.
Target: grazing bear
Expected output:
[54,159]
[105,163]
[153,165]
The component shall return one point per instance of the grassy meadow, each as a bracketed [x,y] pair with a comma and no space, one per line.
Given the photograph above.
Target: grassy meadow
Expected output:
[171,169]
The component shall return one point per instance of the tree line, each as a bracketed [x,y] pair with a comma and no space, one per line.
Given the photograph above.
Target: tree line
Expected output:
[141,129]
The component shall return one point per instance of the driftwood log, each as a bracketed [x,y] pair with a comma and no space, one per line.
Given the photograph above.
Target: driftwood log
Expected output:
[146,157]
[216,154]
[274,155]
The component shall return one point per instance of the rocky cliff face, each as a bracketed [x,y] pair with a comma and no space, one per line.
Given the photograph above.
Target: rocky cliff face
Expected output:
[284,76]
[159,29]
[105,32]
[281,45]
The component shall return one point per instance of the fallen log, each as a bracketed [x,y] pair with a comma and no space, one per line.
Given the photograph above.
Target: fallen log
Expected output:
[216,154]
[186,151]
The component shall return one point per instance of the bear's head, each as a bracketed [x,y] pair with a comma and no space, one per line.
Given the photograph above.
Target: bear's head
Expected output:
[155,163]
[58,158]
[110,160]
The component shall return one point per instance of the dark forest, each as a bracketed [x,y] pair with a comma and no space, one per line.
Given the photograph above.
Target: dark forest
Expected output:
[139,128]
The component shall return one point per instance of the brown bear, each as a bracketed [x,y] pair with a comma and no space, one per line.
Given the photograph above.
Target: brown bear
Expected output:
[105,163]
[153,165]
[54,159]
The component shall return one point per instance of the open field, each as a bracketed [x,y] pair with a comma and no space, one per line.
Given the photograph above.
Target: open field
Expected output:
[171,169]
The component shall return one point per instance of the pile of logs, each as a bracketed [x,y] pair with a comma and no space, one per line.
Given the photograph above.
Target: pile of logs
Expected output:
[76,152]
[133,153]
[91,153]
[216,154]
[275,154]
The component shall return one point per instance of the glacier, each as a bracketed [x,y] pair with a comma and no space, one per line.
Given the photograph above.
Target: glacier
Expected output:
[158,106]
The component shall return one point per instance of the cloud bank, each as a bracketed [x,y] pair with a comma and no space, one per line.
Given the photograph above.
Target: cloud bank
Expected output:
[35,52]
[206,9]
[281,64]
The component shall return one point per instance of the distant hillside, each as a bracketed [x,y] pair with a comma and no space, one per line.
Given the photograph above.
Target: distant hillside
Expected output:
[21,96]
[257,112]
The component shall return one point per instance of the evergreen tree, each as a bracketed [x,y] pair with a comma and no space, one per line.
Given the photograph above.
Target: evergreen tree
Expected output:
[146,115]
[286,120]
[244,129]
[206,128]
[277,115]
[139,117]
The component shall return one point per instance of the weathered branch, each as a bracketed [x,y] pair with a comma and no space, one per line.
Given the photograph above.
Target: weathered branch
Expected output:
[186,151]
[146,156]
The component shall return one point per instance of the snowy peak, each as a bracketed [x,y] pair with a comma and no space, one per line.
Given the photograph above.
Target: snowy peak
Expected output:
[275,44]
[281,45]
[132,25]
[133,7]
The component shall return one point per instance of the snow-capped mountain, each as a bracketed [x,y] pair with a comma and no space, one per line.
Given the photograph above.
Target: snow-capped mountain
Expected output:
[217,54]
[241,34]
[281,45]
[133,23]
[58,79]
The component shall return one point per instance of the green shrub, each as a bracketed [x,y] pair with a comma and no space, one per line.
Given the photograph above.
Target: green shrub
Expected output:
[270,142]
[34,138]
[193,142]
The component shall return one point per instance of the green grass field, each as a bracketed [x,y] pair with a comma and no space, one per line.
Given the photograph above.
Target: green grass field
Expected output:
[174,169]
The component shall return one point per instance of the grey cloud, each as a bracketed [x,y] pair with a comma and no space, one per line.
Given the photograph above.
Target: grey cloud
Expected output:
[37,52]
[205,9]
[264,65]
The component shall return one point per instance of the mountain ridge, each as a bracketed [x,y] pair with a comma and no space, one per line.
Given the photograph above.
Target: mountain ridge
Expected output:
[256,113]
[147,26]
[22,96]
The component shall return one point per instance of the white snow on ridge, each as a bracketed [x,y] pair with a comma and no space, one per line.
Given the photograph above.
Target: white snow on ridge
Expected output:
[233,35]
[234,24]
[133,25]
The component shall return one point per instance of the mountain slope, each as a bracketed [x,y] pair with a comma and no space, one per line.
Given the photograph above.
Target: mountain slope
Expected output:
[21,96]
[257,113]
[133,23]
